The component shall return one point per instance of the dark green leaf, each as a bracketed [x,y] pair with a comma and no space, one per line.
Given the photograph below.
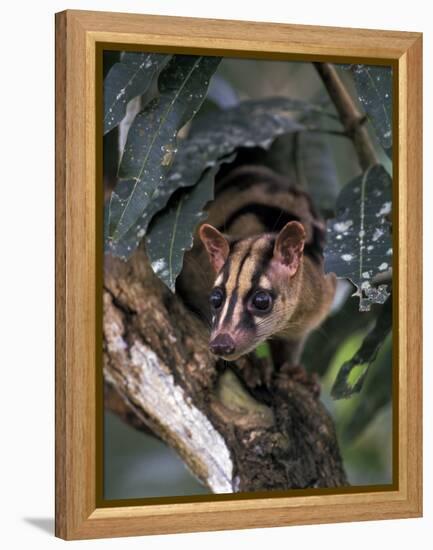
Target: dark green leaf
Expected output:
[127,79]
[270,110]
[171,231]
[359,242]
[374,86]
[112,212]
[365,355]
[251,124]
[152,139]
[376,394]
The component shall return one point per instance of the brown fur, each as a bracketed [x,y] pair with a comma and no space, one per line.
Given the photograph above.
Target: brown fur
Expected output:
[250,204]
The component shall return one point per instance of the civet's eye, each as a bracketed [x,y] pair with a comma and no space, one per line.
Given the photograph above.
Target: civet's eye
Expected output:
[216,298]
[262,300]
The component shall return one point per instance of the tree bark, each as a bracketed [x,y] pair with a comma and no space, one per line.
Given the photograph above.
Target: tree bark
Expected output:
[238,427]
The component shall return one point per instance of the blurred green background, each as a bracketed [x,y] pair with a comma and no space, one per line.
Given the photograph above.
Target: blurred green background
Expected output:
[137,465]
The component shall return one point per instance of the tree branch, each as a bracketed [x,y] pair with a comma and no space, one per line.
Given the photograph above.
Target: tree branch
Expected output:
[238,428]
[353,121]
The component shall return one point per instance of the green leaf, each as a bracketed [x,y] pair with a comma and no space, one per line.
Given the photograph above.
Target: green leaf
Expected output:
[171,231]
[374,87]
[358,241]
[270,110]
[344,385]
[377,392]
[112,212]
[250,124]
[127,79]
[152,139]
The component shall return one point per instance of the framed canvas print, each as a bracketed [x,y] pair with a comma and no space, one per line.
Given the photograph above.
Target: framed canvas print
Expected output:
[238,221]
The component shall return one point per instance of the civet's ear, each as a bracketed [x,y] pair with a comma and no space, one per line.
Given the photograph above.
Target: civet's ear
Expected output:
[216,245]
[289,246]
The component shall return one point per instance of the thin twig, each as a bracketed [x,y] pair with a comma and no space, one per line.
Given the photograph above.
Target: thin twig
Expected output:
[353,121]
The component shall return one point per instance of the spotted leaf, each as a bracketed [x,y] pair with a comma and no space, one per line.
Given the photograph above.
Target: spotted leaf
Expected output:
[152,139]
[129,78]
[249,124]
[374,87]
[172,229]
[359,245]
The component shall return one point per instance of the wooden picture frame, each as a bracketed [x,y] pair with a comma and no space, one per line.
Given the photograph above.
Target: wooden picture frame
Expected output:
[80,38]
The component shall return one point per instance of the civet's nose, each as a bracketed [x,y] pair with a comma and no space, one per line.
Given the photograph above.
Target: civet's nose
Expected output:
[222,344]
